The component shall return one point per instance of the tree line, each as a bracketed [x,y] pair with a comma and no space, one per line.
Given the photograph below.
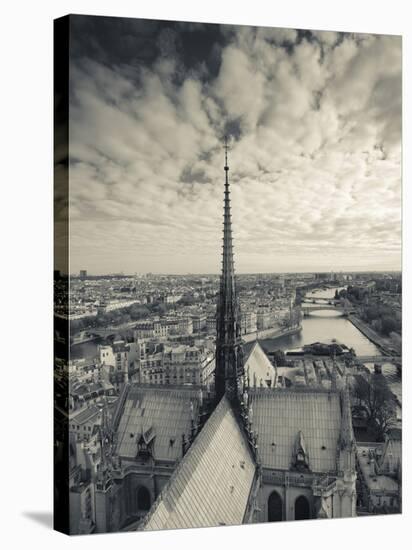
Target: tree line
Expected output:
[380,316]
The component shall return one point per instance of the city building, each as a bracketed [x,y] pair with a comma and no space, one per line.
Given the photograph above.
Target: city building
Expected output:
[248,321]
[120,358]
[265,317]
[151,329]
[177,364]
[170,298]
[211,324]
[178,325]
[199,323]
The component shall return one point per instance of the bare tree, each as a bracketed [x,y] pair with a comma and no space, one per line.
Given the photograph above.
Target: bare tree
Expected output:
[376,400]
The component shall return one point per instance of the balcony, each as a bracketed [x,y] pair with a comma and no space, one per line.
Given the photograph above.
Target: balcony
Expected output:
[321,485]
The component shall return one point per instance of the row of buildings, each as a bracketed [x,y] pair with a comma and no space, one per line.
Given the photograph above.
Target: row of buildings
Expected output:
[251,320]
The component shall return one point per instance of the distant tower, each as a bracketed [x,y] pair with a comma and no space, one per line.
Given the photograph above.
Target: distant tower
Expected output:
[229,354]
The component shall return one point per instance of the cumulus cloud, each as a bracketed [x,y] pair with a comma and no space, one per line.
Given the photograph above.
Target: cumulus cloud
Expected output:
[315,152]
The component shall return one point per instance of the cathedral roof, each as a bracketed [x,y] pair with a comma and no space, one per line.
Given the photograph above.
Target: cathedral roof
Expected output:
[258,367]
[280,415]
[213,483]
[167,412]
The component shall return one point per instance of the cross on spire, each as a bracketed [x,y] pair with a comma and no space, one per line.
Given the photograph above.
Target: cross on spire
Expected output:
[226,148]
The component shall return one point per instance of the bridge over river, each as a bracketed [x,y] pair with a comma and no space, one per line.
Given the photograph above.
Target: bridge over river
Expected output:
[101,332]
[309,308]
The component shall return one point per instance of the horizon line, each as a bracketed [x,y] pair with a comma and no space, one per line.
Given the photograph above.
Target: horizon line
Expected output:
[340,272]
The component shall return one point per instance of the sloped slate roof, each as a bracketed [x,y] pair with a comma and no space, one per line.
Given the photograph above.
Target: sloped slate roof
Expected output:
[391,456]
[166,410]
[84,415]
[278,416]
[212,484]
[258,365]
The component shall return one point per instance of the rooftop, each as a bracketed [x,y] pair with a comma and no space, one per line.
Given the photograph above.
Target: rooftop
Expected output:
[84,415]
[278,417]
[258,366]
[167,411]
[212,484]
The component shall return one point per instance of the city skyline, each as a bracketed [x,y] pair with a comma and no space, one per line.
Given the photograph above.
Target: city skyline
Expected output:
[216,274]
[314,120]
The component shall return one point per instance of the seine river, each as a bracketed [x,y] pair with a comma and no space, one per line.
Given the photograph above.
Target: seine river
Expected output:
[88,350]
[324,326]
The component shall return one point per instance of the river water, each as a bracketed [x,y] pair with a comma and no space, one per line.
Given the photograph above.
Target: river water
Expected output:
[324,326]
[88,350]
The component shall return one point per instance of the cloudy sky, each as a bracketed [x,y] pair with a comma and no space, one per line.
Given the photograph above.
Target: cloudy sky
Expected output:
[314,120]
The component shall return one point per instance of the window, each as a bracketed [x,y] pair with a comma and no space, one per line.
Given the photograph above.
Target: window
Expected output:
[302,508]
[275,507]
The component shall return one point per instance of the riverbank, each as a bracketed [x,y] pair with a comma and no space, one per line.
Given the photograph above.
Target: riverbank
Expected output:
[382,343]
[270,334]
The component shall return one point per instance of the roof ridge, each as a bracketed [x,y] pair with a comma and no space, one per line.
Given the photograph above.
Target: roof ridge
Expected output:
[175,388]
[192,454]
[293,390]
[246,357]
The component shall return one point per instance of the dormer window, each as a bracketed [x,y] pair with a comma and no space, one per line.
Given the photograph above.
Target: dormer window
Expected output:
[143,450]
[145,443]
[300,459]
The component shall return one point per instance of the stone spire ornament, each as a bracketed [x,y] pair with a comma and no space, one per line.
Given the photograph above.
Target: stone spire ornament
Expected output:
[229,354]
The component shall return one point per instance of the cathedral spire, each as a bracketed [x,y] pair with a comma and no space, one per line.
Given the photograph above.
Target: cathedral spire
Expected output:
[229,354]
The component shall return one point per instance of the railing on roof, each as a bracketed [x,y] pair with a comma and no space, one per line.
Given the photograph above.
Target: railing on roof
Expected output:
[286,478]
[323,485]
[319,482]
[292,390]
[139,467]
